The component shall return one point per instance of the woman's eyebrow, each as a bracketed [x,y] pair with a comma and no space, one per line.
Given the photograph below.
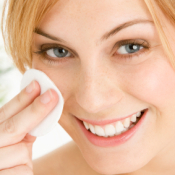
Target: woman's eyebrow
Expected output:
[105,36]
[123,26]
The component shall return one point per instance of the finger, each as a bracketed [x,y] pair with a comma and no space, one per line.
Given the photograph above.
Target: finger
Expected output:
[18,170]
[29,138]
[15,155]
[29,141]
[19,102]
[15,128]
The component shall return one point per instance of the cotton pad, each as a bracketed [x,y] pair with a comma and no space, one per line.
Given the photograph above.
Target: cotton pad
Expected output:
[45,83]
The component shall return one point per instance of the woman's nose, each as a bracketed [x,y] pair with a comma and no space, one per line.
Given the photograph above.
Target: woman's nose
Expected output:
[97,90]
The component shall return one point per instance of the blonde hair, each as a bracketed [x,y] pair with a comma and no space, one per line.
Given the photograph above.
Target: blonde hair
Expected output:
[23,16]
[168,8]
[18,27]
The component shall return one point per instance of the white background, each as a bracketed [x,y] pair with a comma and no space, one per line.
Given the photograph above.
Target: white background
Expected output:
[11,83]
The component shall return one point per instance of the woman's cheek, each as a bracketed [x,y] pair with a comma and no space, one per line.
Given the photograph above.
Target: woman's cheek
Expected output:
[154,83]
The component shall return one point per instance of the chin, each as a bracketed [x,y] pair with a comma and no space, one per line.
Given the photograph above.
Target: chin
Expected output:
[114,168]
[110,165]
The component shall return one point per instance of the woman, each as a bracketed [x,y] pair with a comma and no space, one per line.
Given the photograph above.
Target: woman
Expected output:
[113,62]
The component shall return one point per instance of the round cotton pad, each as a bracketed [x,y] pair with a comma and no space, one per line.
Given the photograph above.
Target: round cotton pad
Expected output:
[45,83]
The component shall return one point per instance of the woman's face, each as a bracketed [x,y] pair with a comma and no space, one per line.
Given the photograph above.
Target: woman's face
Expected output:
[103,78]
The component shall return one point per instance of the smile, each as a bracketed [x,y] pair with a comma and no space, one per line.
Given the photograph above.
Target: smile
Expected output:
[115,128]
[114,132]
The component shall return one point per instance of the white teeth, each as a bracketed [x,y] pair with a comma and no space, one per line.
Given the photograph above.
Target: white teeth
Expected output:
[99,131]
[119,127]
[126,122]
[86,125]
[92,128]
[138,114]
[113,129]
[109,130]
[133,118]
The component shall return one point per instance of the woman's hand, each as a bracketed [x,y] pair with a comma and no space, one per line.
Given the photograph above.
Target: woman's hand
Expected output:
[17,118]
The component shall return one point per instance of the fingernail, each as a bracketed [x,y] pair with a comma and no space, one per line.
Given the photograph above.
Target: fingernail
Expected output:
[46,97]
[30,87]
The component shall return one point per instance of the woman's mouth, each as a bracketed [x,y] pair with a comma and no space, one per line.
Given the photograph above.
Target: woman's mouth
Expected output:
[115,128]
[113,134]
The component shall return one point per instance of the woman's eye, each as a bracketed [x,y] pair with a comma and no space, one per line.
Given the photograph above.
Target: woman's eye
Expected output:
[58,52]
[131,52]
[129,48]
[126,51]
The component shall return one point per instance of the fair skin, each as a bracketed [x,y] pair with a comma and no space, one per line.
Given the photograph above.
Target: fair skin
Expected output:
[99,83]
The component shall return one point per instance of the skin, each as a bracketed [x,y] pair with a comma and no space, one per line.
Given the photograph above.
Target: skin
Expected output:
[99,85]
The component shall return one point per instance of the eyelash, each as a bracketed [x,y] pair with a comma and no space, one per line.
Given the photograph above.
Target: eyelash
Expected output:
[126,57]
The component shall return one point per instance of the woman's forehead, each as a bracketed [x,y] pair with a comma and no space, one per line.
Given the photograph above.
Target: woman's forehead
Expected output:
[89,13]
[89,20]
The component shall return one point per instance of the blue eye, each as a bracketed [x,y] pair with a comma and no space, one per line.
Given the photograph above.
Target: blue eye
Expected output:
[125,52]
[58,52]
[129,48]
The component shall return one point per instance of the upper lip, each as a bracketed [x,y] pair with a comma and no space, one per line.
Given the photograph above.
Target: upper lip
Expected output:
[105,122]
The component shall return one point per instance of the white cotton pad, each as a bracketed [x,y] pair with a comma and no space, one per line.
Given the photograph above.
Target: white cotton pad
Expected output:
[45,83]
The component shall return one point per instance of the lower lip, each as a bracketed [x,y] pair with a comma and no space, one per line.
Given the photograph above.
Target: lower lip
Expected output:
[115,140]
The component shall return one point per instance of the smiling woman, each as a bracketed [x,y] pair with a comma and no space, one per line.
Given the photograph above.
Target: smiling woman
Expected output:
[113,62]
